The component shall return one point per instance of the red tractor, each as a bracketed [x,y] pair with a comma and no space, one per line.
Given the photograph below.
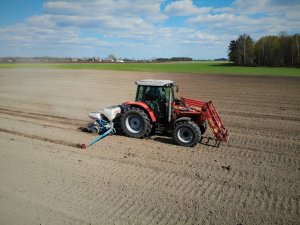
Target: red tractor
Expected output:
[156,109]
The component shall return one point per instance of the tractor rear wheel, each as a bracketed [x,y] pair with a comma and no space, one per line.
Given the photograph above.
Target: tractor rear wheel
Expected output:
[136,123]
[187,133]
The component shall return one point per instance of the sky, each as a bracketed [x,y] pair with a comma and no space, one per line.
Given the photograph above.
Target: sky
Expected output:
[138,29]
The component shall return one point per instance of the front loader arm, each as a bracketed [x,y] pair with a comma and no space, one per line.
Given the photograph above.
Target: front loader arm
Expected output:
[208,111]
[215,122]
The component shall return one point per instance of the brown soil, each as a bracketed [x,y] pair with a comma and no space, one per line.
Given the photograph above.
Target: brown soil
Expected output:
[46,179]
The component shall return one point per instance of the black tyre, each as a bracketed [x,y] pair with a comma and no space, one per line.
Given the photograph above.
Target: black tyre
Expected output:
[95,130]
[136,123]
[117,125]
[187,133]
[203,127]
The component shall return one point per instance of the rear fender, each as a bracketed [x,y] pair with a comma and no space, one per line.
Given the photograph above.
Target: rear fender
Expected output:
[145,107]
[181,119]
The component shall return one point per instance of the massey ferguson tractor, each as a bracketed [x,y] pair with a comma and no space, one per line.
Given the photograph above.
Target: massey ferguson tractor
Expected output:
[156,109]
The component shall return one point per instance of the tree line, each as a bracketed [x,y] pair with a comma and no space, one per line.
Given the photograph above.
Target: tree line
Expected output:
[173,59]
[272,50]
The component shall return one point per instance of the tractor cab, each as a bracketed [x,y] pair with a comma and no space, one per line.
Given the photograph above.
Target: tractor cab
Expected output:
[158,95]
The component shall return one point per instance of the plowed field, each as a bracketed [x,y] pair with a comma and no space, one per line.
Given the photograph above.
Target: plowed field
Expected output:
[46,179]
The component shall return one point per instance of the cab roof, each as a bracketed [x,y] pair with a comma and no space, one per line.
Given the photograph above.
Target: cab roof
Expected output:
[150,82]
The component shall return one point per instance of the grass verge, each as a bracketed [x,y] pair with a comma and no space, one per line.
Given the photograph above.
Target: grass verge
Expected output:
[178,67]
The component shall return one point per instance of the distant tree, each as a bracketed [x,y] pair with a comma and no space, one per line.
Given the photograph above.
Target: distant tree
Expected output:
[181,59]
[271,51]
[246,51]
[233,52]
[281,50]
[260,52]
[221,59]
[285,43]
[112,57]
[296,50]
[162,60]
[241,51]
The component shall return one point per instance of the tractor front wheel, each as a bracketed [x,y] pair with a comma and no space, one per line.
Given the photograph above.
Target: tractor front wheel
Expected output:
[187,133]
[136,123]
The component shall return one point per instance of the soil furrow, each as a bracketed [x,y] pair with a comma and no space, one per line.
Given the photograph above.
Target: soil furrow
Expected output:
[259,115]
[60,142]
[34,115]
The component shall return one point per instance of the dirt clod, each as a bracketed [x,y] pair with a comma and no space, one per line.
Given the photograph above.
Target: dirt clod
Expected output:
[226,167]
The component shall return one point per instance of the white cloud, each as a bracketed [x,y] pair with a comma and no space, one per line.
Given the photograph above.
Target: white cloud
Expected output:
[118,9]
[137,27]
[256,17]
[185,8]
[66,24]
[249,7]
[272,7]
[222,10]
[203,38]
[212,18]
